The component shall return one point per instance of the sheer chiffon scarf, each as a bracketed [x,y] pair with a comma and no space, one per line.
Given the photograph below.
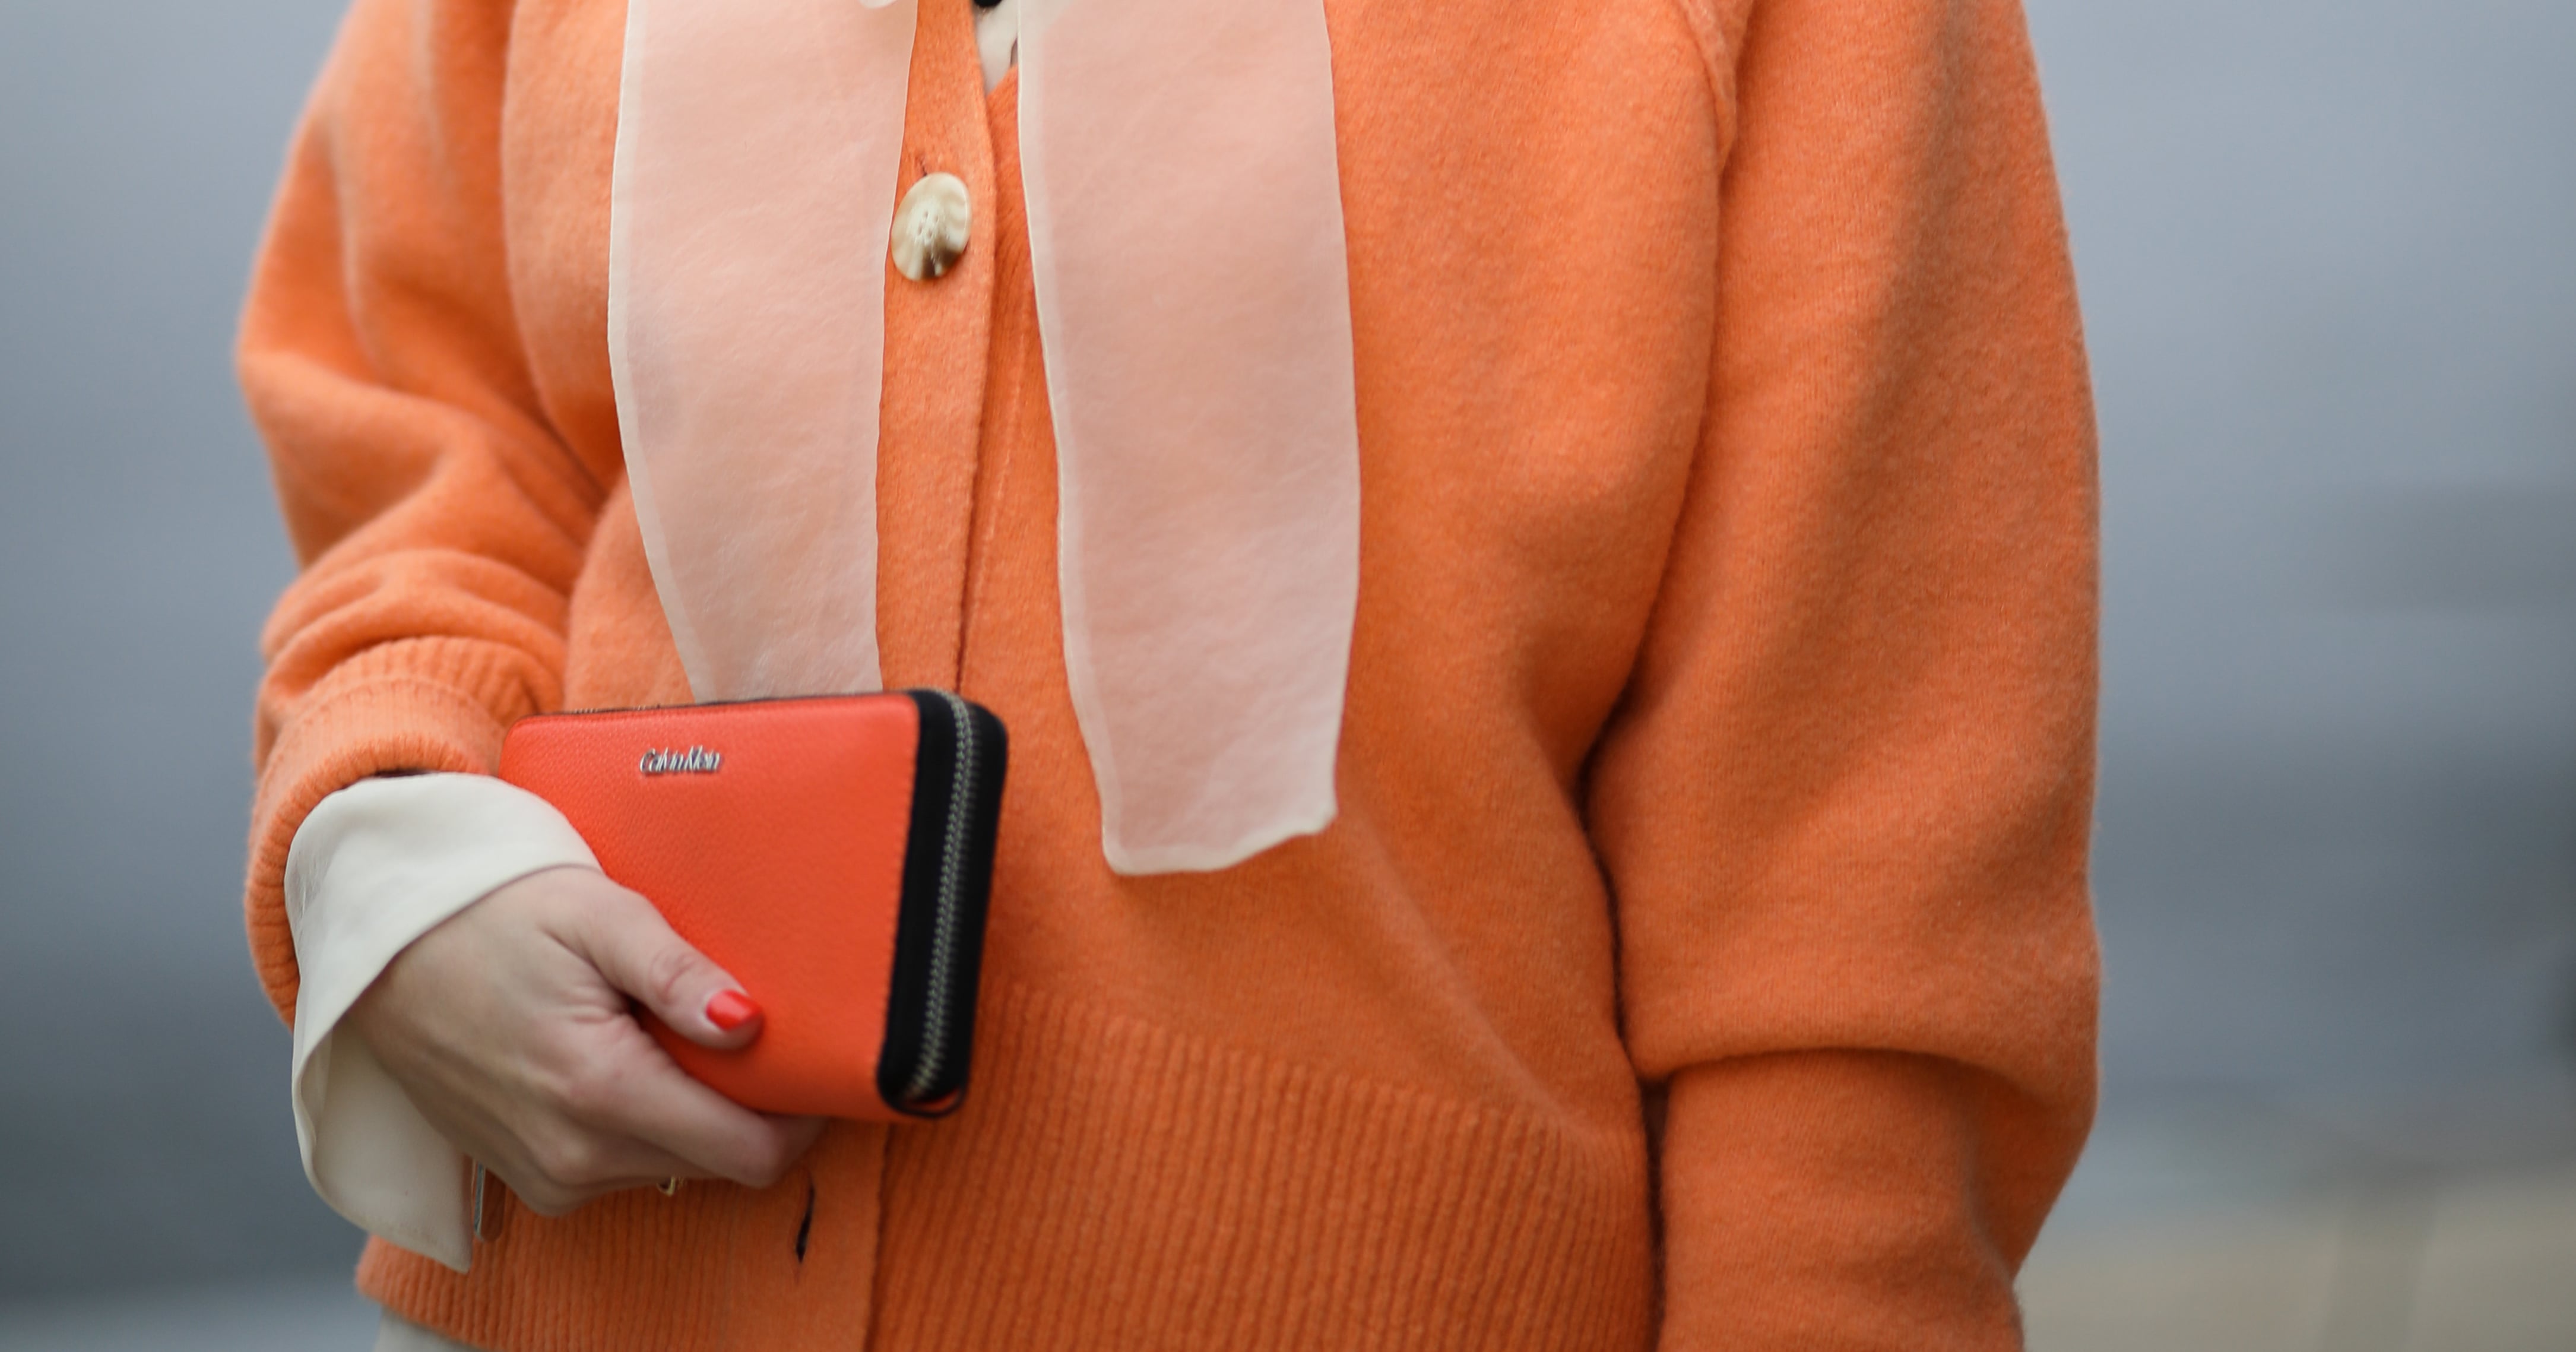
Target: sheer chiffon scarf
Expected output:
[1193,300]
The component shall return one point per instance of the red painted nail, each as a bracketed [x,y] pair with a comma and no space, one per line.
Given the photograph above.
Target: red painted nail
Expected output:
[729,1010]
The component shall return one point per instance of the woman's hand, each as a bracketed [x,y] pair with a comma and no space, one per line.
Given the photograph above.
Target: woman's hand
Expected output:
[508,1027]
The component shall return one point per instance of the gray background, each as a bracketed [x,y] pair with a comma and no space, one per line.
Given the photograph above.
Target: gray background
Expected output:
[2329,260]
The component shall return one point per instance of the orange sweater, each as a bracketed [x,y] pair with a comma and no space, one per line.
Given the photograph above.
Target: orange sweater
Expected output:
[1702,951]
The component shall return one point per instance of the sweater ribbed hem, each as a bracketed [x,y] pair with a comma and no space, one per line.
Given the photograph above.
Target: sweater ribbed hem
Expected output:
[715,1266]
[1110,1184]
[420,704]
[1133,1187]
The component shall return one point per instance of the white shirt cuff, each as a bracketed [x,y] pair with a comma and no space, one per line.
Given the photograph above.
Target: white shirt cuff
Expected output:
[375,866]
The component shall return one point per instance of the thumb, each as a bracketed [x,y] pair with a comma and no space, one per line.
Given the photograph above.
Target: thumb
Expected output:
[638,952]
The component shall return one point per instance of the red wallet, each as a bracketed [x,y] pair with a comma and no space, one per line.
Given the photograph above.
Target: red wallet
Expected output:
[834,854]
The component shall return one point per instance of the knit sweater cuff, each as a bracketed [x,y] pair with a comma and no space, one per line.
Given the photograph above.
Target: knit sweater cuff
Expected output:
[1829,1200]
[437,704]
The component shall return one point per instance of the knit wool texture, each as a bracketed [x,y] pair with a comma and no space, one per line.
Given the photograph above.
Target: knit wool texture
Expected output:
[1702,957]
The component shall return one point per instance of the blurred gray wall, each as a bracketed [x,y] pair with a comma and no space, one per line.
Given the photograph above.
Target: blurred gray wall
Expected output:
[2329,261]
[2328,252]
[142,1105]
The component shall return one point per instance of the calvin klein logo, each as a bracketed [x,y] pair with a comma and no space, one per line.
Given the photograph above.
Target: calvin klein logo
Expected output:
[697,760]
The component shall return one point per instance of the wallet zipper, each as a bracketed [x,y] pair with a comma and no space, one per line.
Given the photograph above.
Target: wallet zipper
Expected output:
[943,915]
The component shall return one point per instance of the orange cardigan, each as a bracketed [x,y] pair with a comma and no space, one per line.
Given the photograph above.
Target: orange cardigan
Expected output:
[1703,951]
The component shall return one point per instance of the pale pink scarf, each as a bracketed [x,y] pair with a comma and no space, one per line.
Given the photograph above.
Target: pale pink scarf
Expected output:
[1193,298]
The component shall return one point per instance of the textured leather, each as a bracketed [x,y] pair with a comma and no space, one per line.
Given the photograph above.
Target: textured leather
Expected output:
[771,835]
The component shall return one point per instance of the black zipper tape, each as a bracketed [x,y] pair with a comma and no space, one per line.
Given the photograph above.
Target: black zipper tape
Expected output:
[947,884]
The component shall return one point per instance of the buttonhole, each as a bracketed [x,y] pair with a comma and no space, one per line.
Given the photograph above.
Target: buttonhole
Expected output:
[805,1227]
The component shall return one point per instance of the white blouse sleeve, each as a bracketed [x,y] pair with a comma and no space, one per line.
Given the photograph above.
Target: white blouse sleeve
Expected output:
[375,866]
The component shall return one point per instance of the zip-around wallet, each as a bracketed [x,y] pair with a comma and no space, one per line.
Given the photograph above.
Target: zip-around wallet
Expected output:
[834,854]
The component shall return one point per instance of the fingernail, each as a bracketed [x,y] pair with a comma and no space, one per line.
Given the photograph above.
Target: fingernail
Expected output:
[729,1010]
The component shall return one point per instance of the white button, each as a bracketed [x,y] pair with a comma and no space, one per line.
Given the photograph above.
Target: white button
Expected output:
[930,227]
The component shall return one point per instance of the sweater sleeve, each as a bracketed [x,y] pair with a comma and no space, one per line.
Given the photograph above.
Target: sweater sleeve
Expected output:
[439,519]
[1844,803]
